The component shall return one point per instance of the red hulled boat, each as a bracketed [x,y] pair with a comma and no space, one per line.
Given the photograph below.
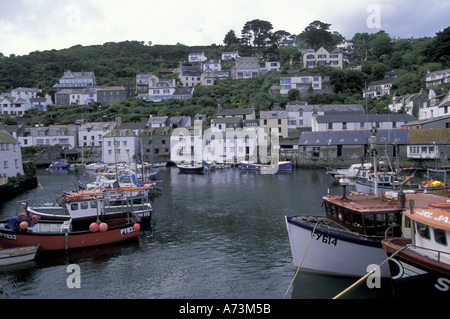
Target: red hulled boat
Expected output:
[87,223]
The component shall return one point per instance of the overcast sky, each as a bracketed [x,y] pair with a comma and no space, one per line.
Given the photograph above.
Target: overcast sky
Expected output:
[39,25]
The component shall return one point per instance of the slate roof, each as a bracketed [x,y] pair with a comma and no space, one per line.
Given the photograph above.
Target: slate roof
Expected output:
[434,136]
[273,114]
[326,108]
[339,118]
[5,137]
[399,136]
[191,71]
[238,111]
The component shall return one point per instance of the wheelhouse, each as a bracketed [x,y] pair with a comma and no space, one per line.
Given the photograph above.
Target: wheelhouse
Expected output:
[369,222]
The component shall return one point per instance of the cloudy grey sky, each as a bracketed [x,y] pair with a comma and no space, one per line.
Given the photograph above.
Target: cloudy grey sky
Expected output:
[31,25]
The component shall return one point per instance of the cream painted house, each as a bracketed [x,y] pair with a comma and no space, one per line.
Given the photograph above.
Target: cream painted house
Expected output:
[278,120]
[320,57]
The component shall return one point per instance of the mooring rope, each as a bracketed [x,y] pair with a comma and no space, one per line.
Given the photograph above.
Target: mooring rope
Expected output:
[368,274]
[298,269]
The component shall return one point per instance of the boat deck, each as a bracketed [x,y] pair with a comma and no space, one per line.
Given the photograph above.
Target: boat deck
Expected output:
[367,202]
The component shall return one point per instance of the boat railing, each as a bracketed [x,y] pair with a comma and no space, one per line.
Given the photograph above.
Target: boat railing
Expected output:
[406,243]
[438,253]
[389,232]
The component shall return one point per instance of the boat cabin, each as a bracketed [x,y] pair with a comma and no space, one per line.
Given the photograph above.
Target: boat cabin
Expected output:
[363,214]
[430,228]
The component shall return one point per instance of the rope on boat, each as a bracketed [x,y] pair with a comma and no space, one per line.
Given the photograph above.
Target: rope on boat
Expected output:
[299,266]
[368,274]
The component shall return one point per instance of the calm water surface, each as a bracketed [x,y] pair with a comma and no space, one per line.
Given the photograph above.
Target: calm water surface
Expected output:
[218,235]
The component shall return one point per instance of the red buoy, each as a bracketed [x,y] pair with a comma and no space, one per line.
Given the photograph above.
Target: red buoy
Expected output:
[23,225]
[103,227]
[93,227]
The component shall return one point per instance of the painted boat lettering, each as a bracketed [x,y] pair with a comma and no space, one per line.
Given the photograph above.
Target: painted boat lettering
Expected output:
[442,284]
[8,236]
[127,230]
[325,239]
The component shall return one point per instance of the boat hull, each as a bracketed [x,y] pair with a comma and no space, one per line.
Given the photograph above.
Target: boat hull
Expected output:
[369,188]
[415,276]
[190,168]
[332,253]
[271,168]
[60,241]
[12,256]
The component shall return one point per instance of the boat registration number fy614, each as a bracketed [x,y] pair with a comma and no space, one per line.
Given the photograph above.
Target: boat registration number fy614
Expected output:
[325,239]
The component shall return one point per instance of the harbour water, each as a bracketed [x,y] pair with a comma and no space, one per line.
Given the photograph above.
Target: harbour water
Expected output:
[218,235]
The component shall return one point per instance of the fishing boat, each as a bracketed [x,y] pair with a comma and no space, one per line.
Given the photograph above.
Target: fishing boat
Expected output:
[352,171]
[17,255]
[384,181]
[88,223]
[268,168]
[347,240]
[135,199]
[420,260]
[190,168]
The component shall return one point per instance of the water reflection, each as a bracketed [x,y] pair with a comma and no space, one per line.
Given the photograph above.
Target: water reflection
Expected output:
[219,234]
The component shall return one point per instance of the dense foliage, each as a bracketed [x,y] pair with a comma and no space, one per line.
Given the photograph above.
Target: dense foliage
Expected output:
[118,64]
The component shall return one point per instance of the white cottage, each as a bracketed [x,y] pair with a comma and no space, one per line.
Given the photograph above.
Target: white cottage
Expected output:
[11,156]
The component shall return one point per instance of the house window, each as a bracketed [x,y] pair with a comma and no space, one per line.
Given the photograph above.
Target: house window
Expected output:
[330,126]
[316,151]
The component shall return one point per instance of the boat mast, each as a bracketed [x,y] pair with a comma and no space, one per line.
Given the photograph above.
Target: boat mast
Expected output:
[373,152]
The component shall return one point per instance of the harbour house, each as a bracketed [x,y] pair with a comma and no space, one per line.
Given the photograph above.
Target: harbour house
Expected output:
[343,146]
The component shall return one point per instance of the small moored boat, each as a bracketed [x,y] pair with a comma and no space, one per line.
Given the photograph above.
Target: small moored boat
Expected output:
[190,168]
[60,166]
[352,171]
[268,168]
[17,255]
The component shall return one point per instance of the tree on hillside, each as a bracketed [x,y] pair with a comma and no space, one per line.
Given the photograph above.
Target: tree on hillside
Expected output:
[257,32]
[381,45]
[317,34]
[280,36]
[230,38]
[439,50]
